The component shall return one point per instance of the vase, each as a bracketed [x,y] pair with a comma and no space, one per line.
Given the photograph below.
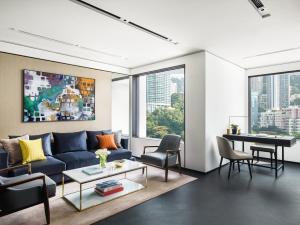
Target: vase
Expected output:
[234,130]
[102,161]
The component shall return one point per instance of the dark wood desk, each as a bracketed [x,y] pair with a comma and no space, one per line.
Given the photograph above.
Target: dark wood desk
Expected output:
[277,141]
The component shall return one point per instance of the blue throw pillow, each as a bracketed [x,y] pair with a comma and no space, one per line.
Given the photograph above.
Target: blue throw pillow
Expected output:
[46,142]
[92,141]
[70,142]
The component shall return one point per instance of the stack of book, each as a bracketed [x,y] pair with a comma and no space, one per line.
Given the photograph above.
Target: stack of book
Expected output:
[109,187]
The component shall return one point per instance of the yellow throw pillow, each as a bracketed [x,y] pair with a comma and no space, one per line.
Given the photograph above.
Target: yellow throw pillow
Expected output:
[32,150]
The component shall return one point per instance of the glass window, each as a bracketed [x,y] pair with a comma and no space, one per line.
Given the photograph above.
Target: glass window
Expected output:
[161,103]
[275,104]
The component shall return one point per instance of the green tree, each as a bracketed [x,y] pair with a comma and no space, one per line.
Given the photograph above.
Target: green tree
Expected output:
[167,120]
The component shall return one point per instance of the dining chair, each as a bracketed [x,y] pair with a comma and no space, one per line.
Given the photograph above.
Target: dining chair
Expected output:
[226,151]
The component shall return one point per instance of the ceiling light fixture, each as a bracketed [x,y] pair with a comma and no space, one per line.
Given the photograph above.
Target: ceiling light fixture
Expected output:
[274,52]
[260,8]
[65,43]
[123,20]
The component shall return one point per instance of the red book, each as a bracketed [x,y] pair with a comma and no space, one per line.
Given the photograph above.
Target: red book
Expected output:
[109,192]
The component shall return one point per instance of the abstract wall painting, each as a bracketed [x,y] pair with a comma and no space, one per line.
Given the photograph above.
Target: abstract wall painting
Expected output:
[57,97]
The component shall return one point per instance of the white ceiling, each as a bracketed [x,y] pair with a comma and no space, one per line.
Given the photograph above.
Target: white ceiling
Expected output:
[231,29]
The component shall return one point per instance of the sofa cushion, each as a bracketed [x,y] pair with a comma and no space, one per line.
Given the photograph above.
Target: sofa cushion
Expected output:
[92,142]
[46,141]
[69,142]
[78,159]
[119,154]
[49,166]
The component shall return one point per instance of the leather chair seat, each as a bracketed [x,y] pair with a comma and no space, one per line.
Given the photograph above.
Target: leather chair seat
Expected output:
[159,159]
[27,194]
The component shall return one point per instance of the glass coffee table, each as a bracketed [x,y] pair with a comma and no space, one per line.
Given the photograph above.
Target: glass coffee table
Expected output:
[87,198]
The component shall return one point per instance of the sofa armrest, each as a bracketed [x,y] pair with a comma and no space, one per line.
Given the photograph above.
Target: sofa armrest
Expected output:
[3,159]
[124,142]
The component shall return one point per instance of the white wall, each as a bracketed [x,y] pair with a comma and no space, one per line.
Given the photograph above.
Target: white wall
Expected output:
[214,90]
[291,154]
[194,108]
[225,95]
[120,105]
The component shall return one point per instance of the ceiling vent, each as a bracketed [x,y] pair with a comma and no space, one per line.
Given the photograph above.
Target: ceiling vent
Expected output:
[123,20]
[260,8]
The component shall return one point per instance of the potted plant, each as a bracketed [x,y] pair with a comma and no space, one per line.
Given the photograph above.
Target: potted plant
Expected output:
[234,128]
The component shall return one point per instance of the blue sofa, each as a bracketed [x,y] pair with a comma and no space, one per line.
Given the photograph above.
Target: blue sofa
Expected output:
[67,151]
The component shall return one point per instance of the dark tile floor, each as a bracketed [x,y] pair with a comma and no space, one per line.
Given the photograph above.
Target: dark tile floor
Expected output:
[213,200]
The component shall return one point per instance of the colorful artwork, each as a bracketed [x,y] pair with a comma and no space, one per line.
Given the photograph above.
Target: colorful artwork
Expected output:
[57,97]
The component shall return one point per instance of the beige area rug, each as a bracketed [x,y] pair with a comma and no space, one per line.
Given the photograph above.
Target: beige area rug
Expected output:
[64,214]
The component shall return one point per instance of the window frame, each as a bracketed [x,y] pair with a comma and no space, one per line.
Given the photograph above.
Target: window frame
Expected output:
[249,91]
[135,102]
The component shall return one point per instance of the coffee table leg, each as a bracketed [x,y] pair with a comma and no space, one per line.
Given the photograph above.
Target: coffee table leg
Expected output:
[80,207]
[63,185]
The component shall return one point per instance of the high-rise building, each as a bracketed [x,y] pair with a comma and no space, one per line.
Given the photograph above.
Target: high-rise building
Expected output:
[284,97]
[254,108]
[158,91]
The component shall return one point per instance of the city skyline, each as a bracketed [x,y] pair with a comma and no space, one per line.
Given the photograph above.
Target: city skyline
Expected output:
[275,101]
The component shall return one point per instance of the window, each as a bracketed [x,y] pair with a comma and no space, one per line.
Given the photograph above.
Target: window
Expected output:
[275,104]
[161,103]
[120,105]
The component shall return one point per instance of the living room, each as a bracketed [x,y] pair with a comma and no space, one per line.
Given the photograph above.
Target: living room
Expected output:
[153,112]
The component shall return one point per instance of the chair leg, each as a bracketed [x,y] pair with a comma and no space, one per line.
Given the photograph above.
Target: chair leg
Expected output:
[46,204]
[233,165]
[143,171]
[252,156]
[238,162]
[166,170]
[249,167]
[229,171]
[166,174]
[271,156]
[179,162]
[220,166]
[257,156]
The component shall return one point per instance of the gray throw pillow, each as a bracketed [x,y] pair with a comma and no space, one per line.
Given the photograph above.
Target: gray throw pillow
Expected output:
[118,137]
[12,147]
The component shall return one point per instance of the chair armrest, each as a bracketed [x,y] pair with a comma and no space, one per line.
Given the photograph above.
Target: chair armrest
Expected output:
[16,167]
[3,159]
[149,146]
[173,151]
[24,180]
